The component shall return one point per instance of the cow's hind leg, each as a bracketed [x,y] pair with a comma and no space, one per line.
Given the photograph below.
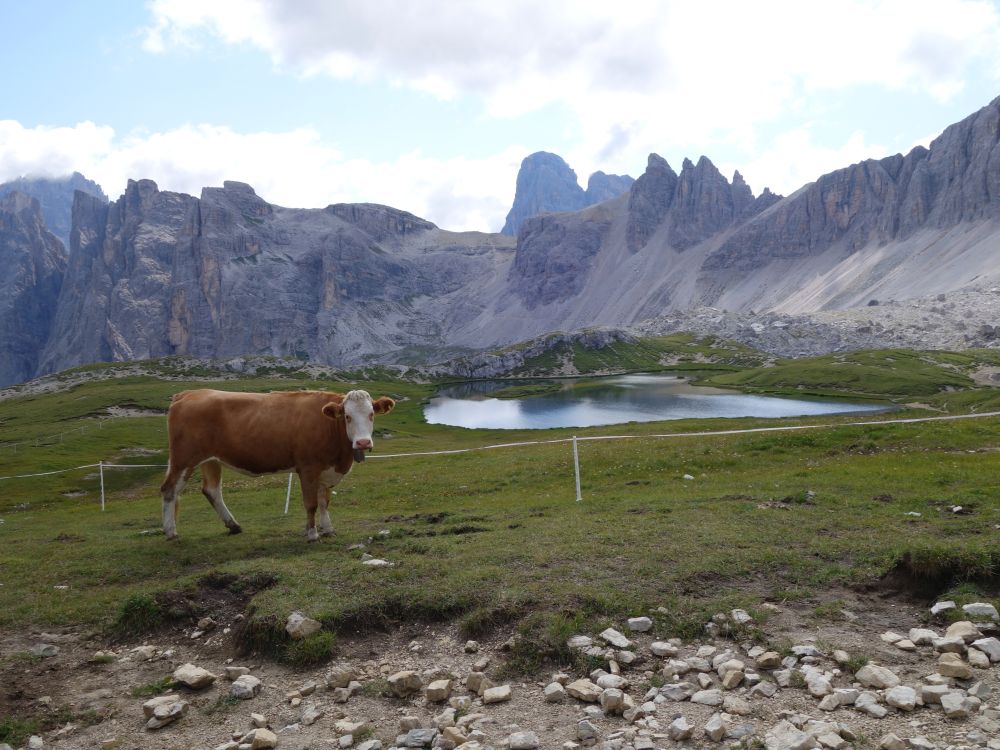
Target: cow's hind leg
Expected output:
[211,488]
[310,497]
[170,490]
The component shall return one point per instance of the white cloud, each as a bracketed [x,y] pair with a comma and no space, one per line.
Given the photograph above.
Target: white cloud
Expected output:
[774,168]
[642,76]
[292,168]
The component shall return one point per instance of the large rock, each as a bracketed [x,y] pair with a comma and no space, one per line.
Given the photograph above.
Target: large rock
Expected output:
[193,676]
[299,627]
[405,683]
[245,687]
[875,676]
[786,736]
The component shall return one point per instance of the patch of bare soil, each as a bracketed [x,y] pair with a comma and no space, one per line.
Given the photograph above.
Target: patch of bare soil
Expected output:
[85,701]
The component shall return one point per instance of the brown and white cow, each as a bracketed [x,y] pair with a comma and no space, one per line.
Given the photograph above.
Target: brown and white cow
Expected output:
[318,435]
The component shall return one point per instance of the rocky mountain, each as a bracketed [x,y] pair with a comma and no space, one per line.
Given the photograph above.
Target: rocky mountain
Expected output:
[32,263]
[157,273]
[55,195]
[545,184]
[227,274]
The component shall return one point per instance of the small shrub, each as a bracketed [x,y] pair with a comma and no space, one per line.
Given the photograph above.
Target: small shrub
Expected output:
[377,688]
[832,611]
[855,663]
[16,732]
[798,680]
[139,614]
[316,649]
[222,703]
[153,688]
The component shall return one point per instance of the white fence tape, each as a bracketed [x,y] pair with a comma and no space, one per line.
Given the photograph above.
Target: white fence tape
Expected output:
[101,466]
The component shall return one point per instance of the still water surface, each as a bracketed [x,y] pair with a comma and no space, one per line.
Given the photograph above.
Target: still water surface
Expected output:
[628,398]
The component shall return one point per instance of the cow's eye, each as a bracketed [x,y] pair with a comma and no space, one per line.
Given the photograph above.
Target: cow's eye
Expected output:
[348,418]
[371,417]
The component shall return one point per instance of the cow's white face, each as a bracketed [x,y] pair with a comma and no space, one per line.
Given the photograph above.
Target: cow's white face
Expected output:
[358,412]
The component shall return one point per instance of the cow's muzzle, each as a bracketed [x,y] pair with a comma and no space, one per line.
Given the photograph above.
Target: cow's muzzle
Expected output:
[360,446]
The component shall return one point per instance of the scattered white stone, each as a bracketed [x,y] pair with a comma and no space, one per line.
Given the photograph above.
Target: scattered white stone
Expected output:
[580,641]
[902,697]
[963,629]
[951,665]
[377,562]
[874,676]
[942,607]
[905,644]
[662,648]
[868,703]
[640,624]
[244,687]
[891,742]
[708,697]
[981,610]
[258,720]
[680,729]
[978,659]
[554,693]
[958,706]
[612,700]
[733,704]
[311,714]
[786,736]
[193,677]
[922,636]
[164,712]
[891,637]
[262,739]
[340,676]
[438,691]
[405,683]
[687,477]
[523,741]
[830,703]
[584,690]
[497,694]
[44,650]
[298,626]
[616,639]
[990,647]
[716,728]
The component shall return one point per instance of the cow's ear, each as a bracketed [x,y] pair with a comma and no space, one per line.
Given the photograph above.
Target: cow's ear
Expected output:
[333,410]
[383,405]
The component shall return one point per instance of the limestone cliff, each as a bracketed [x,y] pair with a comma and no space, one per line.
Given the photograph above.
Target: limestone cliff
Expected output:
[32,263]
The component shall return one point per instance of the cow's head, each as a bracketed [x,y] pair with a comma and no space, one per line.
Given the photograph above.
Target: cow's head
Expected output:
[358,412]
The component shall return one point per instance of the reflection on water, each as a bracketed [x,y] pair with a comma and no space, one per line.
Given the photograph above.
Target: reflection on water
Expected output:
[629,398]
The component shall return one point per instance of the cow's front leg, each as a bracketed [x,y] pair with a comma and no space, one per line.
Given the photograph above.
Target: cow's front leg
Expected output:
[310,497]
[329,480]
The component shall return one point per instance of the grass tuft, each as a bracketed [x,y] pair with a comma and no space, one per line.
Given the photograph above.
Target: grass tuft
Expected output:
[138,614]
[308,652]
[150,689]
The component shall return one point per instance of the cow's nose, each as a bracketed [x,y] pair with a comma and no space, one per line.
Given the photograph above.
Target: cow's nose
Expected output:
[363,444]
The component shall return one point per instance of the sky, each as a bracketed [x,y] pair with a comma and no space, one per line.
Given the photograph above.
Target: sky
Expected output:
[430,105]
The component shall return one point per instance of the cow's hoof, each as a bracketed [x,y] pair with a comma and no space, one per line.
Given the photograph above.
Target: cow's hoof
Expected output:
[235,529]
[312,536]
[327,532]
[172,537]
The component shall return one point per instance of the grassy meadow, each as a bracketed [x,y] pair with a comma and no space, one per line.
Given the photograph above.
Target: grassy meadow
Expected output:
[495,536]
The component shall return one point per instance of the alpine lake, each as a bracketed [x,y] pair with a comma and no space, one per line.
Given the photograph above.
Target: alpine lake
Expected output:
[592,402]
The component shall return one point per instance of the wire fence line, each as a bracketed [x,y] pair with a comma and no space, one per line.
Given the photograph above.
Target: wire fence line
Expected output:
[101,465]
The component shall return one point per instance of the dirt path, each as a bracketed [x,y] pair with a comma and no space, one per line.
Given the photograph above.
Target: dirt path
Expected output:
[87,698]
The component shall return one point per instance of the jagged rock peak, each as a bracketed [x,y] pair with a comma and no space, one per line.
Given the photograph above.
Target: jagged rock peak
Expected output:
[649,201]
[545,183]
[55,196]
[603,187]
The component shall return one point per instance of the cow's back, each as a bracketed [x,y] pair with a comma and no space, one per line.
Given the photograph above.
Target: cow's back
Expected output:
[255,432]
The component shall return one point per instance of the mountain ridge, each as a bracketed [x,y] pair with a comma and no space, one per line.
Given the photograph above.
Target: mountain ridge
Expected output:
[226,274]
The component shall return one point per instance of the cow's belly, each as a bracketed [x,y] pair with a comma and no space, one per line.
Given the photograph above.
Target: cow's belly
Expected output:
[254,469]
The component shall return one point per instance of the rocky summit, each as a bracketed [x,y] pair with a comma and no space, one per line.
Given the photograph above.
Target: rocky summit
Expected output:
[547,184]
